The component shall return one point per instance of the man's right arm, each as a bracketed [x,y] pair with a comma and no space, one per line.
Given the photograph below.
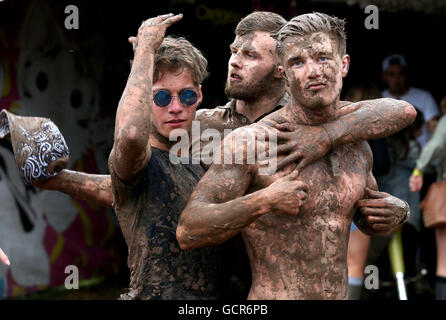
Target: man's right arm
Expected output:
[219,207]
[131,149]
[89,187]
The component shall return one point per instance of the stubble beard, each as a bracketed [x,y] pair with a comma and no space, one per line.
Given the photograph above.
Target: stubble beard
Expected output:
[253,90]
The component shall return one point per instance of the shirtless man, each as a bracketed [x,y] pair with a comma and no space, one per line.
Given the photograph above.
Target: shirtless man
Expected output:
[296,227]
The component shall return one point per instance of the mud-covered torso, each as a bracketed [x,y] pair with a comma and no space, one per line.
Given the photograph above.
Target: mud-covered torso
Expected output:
[304,256]
[148,210]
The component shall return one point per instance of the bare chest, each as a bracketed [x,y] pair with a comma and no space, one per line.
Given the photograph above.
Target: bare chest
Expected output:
[335,183]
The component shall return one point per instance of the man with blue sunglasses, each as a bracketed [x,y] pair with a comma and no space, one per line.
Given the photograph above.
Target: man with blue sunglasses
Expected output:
[171,109]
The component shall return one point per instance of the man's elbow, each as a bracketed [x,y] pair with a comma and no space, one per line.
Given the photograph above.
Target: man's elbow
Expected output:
[130,138]
[183,239]
[407,110]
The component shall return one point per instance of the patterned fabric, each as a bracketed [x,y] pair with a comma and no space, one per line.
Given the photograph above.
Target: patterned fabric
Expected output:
[39,147]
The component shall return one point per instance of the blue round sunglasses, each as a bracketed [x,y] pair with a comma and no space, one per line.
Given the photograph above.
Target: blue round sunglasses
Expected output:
[163,98]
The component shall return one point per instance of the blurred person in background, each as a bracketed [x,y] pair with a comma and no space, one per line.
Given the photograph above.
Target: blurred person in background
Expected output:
[393,161]
[395,76]
[358,245]
[434,205]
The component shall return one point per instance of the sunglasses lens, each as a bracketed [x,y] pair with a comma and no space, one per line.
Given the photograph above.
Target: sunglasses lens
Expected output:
[162,98]
[188,97]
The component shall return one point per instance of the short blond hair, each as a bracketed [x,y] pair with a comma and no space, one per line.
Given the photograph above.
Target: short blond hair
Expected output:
[306,24]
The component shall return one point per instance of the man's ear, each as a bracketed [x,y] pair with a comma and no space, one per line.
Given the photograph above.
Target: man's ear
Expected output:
[345,65]
[277,73]
[200,95]
[281,70]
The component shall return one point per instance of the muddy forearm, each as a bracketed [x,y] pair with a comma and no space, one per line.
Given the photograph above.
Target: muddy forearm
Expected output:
[89,187]
[133,117]
[371,119]
[205,224]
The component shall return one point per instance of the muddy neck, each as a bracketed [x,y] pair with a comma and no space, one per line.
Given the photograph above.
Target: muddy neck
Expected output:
[312,116]
[255,108]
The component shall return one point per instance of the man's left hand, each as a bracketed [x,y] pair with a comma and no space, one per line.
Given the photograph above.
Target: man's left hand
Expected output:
[302,144]
[382,211]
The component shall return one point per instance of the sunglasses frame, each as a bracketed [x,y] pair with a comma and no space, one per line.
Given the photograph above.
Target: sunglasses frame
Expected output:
[178,96]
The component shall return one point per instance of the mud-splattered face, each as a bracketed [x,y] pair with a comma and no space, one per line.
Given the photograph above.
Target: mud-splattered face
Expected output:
[314,70]
[395,77]
[252,66]
[175,115]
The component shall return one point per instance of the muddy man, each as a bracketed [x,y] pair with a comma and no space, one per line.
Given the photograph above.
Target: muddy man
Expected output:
[296,223]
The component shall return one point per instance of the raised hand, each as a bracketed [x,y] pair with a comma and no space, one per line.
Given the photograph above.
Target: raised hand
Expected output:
[151,32]
[383,211]
[287,194]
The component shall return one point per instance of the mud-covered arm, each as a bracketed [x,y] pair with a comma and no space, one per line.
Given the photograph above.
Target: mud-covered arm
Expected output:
[370,119]
[131,149]
[89,187]
[359,121]
[219,207]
